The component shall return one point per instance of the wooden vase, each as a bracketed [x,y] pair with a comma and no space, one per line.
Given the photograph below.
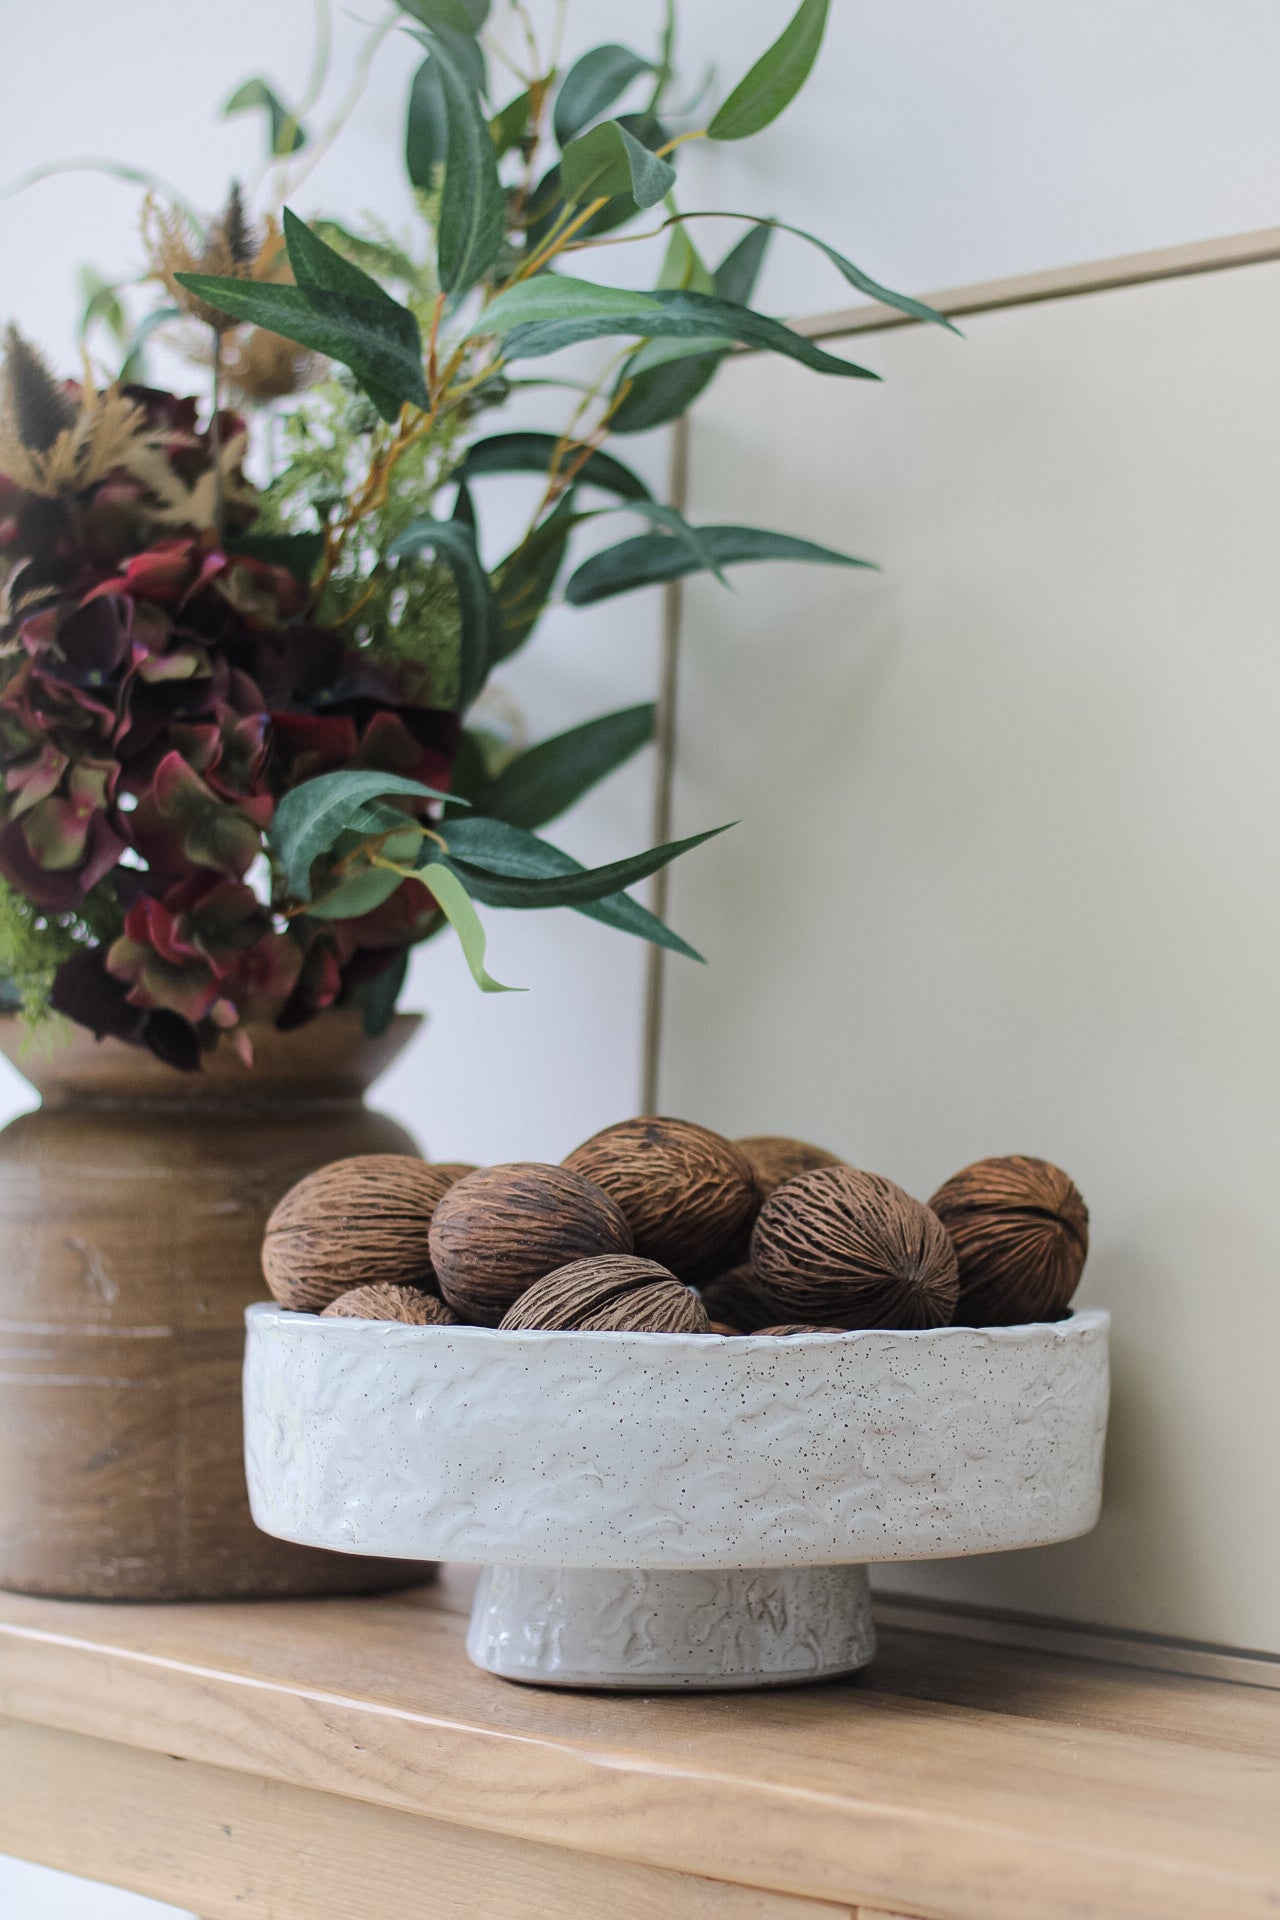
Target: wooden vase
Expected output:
[132,1204]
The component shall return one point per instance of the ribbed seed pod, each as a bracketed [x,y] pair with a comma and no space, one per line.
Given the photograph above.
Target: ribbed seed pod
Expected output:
[1020,1229]
[501,1228]
[387,1302]
[353,1223]
[738,1298]
[614,1293]
[774,1159]
[784,1333]
[841,1248]
[687,1192]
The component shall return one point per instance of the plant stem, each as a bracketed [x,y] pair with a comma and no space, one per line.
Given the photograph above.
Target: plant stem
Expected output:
[215,441]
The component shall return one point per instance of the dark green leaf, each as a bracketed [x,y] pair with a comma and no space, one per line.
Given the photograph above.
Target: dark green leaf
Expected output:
[464,508]
[426,131]
[653,557]
[862,281]
[547,779]
[609,161]
[517,873]
[375,256]
[533,452]
[451,26]
[526,577]
[776,78]
[377,998]
[377,339]
[508,128]
[579,310]
[286,135]
[481,620]
[518,854]
[312,818]
[472,220]
[455,903]
[735,278]
[362,891]
[658,395]
[591,86]
[682,264]
[298,552]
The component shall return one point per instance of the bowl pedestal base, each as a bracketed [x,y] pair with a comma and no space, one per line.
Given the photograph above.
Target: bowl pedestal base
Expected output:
[669,1627]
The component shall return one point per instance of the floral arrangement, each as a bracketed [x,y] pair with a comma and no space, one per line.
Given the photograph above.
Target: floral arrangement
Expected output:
[244,770]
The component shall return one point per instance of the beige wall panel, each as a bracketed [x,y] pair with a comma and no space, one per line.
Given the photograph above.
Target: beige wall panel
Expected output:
[1007,873]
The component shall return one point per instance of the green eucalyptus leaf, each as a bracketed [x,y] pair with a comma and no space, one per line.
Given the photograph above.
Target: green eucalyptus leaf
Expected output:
[377,998]
[375,256]
[426,133]
[450,25]
[735,278]
[546,780]
[554,296]
[776,78]
[285,133]
[654,557]
[514,855]
[682,264]
[857,278]
[365,890]
[578,310]
[298,553]
[516,874]
[609,161]
[509,126]
[525,579]
[591,86]
[533,452]
[472,220]
[312,817]
[454,902]
[377,339]
[658,394]
[481,620]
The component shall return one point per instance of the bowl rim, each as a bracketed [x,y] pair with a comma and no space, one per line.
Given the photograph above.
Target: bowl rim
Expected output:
[1084,1320]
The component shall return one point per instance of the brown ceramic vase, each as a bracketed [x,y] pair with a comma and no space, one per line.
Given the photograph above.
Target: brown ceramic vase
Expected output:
[132,1204]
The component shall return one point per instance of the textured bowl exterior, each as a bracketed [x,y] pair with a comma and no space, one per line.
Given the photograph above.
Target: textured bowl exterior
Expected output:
[644,1450]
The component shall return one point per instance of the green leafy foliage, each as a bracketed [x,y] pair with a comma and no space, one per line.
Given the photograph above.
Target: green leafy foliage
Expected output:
[311,819]
[480,627]
[537,453]
[591,86]
[609,162]
[506,867]
[378,340]
[285,134]
[426,132]
[776,78]
[472,222]
[455,903]
[574,311]
[526,578]
[651,558]
[546,780]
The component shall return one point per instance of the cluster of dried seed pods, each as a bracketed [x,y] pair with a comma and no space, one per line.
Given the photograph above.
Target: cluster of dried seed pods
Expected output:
[657,1225]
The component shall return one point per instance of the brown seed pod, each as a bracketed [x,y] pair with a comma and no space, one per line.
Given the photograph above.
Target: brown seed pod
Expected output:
[687,1192]
[774,1159]
[456,1169]
[387,1302]
[784,1333]
[613,1293]
[1020,1229]
[353,1223]
[842,1248]
[738,1297]
[499,1229]
[721,1327]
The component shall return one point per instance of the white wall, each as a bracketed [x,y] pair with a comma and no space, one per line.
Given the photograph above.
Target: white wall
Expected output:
[937,144]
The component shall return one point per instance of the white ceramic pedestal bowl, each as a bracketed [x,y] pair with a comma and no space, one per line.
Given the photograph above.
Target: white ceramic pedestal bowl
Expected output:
[672,1510]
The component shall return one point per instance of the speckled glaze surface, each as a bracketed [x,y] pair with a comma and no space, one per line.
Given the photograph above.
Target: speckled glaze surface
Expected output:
[756,1627]
[672,1510]
[679,1450]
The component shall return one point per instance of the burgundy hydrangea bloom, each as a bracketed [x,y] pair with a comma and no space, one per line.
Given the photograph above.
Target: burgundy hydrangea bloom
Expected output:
[159,692]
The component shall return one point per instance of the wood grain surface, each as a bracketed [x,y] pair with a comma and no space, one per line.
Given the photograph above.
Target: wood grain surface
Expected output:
[953,1781]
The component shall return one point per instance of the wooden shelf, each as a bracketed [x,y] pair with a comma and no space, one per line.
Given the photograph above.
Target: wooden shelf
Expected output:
[292,1760]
